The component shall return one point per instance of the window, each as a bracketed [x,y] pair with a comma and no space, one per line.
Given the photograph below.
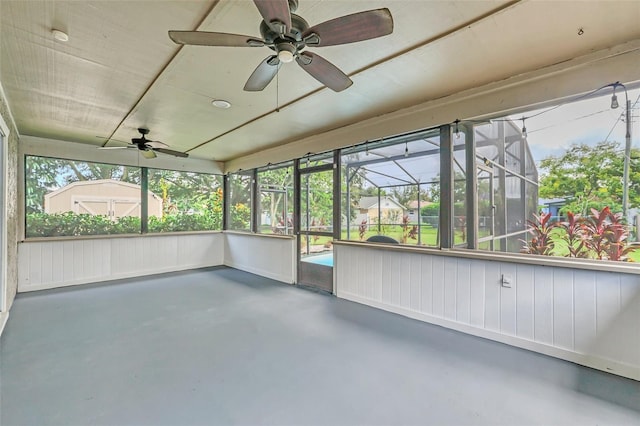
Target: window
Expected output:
[459,190]
[240,201]
[275,189]
[72,198]
[507,185]
[184,201]
[560,189]
[391,188]
[66,197]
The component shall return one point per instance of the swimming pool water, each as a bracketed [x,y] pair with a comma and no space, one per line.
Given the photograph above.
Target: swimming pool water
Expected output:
[322,259]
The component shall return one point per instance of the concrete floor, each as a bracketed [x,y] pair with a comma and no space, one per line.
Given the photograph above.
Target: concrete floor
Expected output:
[220,346]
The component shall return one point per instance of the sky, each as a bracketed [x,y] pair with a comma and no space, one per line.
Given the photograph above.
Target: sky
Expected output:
[588,121]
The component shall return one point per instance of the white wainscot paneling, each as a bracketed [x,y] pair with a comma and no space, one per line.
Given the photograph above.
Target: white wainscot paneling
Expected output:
[60,263]
[268,256]
[588,317]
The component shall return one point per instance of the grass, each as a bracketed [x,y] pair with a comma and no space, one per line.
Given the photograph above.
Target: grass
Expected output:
[428,235]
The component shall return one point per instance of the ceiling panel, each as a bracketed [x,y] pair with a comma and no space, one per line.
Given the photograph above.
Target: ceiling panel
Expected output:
[473,56]
[84,87]
[96,83]
[199,74]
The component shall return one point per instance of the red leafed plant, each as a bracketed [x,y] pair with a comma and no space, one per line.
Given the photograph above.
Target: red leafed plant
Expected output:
[607,235]
[601,235]
[575,235]
[407,230]
[362,229]
[541,241]
[597,227]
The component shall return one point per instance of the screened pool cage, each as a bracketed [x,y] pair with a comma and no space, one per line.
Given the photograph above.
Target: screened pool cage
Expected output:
[394,188]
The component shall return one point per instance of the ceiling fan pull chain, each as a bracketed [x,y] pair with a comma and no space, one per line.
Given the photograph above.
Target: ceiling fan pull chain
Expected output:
[278,92]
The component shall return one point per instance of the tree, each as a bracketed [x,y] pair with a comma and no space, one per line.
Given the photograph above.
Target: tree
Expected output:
[316,195]
[590,177]
[276,186]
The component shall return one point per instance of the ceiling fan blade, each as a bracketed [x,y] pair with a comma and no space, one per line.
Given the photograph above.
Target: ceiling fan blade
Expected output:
[156,144]
[171,152]
[148,154]
[203,38]
[350,28]
[263,74]
[273,12]
[324,71]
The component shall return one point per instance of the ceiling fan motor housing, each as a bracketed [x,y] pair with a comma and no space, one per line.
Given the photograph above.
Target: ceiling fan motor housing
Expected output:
[298,27]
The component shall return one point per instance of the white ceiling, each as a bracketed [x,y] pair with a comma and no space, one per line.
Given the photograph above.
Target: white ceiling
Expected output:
[120,71]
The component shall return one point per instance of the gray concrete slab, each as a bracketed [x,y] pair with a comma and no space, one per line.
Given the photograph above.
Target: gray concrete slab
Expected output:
[223,347]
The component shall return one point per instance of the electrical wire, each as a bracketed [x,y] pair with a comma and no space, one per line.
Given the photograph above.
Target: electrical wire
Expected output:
[568,101]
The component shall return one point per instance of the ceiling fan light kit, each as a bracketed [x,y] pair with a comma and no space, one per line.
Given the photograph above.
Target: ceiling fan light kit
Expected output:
[288,34]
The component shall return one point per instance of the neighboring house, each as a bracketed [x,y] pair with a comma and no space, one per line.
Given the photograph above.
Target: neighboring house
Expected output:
[553,206]
[105,197]
[390,210]
[413,209]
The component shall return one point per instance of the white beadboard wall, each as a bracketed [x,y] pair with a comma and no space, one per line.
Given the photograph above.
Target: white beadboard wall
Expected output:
[60,263]
[587,317]
[266,255]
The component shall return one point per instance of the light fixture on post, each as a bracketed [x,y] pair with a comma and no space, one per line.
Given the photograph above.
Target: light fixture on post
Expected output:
[524,128]
[614,98]
[457,128]
[406,149]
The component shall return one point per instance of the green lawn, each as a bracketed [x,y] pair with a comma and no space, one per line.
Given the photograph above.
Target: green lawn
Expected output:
[428,236]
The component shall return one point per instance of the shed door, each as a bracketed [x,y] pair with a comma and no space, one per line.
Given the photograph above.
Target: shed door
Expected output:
[112,207]
[92,206]
[125,207]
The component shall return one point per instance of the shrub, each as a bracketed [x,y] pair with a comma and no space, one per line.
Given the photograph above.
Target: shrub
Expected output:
[541,241]
[601,235]
[72,224]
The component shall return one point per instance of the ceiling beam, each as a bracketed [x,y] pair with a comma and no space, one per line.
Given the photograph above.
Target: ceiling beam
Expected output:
[158,75]
[406,51]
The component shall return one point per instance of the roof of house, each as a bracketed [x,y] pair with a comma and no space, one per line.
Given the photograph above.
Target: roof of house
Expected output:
[368,202]
[413,204]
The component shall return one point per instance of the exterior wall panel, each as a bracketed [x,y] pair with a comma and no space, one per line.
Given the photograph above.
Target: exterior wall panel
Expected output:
[61,263]
[588,317]
[268,256]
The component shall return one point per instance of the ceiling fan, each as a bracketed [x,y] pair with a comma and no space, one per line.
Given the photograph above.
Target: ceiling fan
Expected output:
[288,34]
[147,147]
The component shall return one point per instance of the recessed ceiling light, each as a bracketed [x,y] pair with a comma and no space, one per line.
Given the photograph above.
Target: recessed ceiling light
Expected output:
[60,35]
[220,103]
